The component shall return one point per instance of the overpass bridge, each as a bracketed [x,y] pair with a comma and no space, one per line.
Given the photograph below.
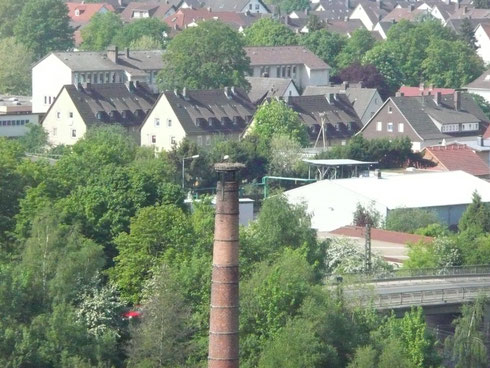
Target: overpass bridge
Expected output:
[437,290]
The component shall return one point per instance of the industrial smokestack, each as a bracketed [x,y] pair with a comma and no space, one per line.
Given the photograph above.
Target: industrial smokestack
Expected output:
[223,324]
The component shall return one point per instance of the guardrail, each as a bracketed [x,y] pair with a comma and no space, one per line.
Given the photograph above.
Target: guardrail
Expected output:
[429,297]
[402,273]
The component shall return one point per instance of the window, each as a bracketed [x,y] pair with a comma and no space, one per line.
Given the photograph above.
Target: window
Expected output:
[153,139]
[390,109]
[250,6]
[208,140]
[169,122]
[49,99]
[173,141]
[55,131]
[257,7]
[470,126]
[199,140]
[379,126]
[349,126]
[58,115]
[389,127]
[294,71]
[73,133]
[70,114]
[157,122]
[337,127]
[401,128]
[45,100]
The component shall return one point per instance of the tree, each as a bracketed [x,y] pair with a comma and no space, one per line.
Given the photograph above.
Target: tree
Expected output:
[15,74]
[481,4]
[409,219]
[482,104]
[145,43]
[476,217]
[368,75]
[358,44]
[467,32]
[208,56]
[9,13]
[276,118]
[153,28]
[314,23]
[44,26]
[269,32]
[467,346]
[286,157]
[161,338]
[366,216]
[365,357]
[385,63]
[326,45]
[101,31]
[35,140]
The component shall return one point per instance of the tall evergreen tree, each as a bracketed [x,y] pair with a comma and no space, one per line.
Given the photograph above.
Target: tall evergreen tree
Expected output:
[467,33]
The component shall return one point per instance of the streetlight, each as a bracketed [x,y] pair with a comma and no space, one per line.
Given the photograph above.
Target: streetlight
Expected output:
[183,167]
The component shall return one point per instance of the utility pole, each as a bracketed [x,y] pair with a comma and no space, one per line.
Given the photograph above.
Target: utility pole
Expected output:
[367,248]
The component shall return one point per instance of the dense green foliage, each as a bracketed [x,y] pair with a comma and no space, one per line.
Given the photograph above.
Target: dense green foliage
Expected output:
[269,32]
[208,56]
[44,26]
[287,6]
[108,29]
[15,73]
[408,220]
[325,44]
[276,118]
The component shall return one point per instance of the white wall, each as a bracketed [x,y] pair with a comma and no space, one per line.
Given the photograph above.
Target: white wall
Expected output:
[483,42]
[380,30]
[374,105]
[163,132]
[15,125]
[291,90]
[48,77]
[254,6]
[59,125]
[317,77]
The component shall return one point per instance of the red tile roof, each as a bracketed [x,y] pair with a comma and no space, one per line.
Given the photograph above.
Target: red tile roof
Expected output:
[382,235]
[457,156]
[424,91]
[86,11]
[182,18]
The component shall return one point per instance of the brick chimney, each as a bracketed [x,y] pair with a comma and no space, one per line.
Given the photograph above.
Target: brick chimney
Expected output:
[112,54]
[457,100]
[223,324]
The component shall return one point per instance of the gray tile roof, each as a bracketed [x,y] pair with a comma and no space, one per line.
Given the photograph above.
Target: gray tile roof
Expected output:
[112,103]
[227,5]
[482,82]
[420,112]
[212,111]
[359,97]
[84,61]
[262,88]
[312,109]
[284,55]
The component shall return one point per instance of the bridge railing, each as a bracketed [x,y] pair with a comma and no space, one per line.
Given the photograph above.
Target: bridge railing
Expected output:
[429,297]
[402,273]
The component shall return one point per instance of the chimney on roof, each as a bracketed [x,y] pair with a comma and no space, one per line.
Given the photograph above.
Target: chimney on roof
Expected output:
[127,52]
[410,8]
[176,92]
[457,100]
[232,89]
[184,93]
[331,97]
[479,140]
[79,86]
[130,86]
[345,85]
[224,313]
[437,98]
[399,94]
[465,9]
[112,54]
[227,93]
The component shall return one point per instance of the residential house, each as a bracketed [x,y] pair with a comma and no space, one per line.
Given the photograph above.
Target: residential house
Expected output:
[392,246]
[455,24]
[200,116]
[79,107]
[482,36]
[411,14]
[263,88]
[366,101]
[326,10]
[15,115]
[382,28]
[57,69]
[371,12]
[470,12]
[456,156]
[237,6]
[291,62]
[332,203]
[330,119]
[185,18]
[423,90]
[480,86]
[428,120]
[345,27]
[481,146]
[138,10]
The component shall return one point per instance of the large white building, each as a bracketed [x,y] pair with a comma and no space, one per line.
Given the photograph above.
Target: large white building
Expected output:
[333,202]
[291,62]
[16,115]
[57,69]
